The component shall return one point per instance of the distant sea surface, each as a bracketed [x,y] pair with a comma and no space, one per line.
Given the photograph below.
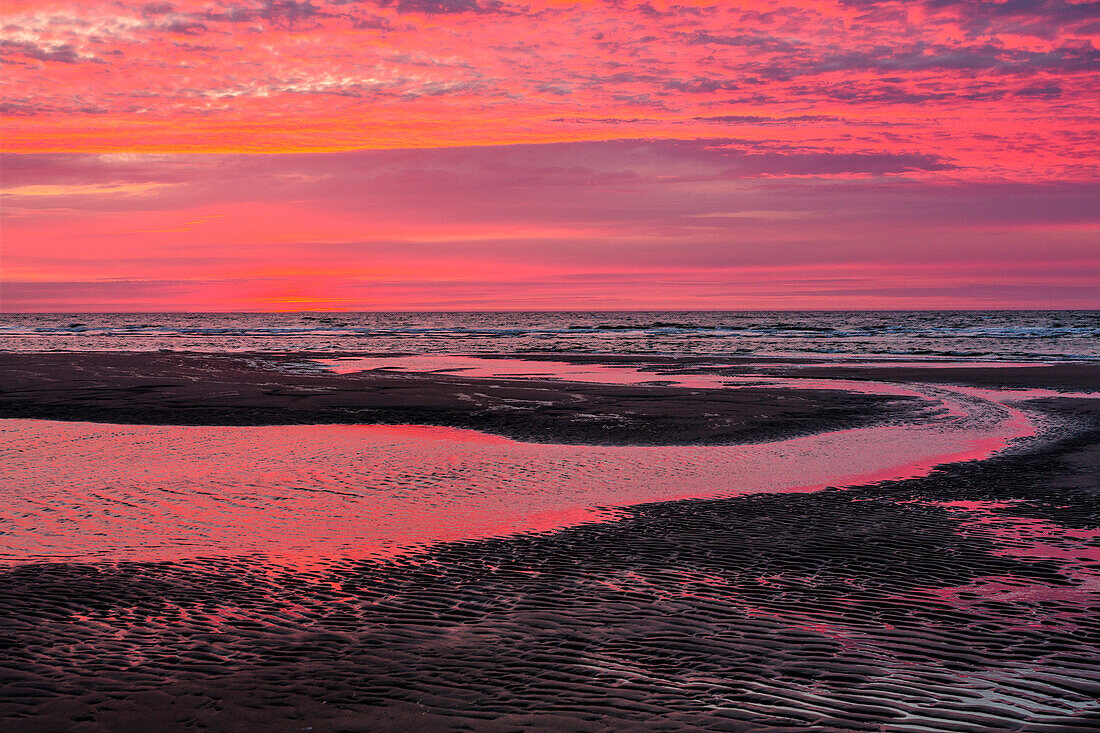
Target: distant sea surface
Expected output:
[985,335]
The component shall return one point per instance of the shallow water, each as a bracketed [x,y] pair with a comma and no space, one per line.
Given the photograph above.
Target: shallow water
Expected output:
[94,492]
[655,373]
[511,368]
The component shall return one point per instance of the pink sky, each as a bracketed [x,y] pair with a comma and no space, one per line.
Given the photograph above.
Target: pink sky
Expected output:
[466,154]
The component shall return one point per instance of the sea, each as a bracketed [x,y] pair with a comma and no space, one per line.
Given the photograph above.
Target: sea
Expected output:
[949,335]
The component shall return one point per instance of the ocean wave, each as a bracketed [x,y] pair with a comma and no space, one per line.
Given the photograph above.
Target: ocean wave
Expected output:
[1013,336]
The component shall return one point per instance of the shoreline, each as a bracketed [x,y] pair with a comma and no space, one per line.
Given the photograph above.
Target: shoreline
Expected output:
[184,388]
[961,601]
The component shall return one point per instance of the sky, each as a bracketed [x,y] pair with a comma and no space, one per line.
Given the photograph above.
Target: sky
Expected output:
[545,155]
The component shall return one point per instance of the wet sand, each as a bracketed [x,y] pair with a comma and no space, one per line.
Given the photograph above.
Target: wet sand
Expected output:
[966,600]
[220,389]
[1058,376]
[1071,376]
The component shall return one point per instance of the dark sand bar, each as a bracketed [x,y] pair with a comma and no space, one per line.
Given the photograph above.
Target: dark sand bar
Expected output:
[269,389]
[964,600]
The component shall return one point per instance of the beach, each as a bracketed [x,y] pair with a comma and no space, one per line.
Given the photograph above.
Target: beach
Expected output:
[496,366]
[941,570]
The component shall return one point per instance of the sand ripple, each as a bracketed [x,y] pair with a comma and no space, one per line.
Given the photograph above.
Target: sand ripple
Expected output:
[965,601]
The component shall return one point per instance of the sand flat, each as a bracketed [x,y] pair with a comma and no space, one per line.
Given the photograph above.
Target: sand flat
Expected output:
[959,598]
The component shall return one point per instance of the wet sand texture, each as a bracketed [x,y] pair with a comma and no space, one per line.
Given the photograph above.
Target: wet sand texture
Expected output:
[190,389]
[1063,376]
[964,601]
[1072,376]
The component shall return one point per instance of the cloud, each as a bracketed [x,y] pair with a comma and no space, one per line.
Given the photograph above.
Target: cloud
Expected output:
[267,75]
[22,109]
[549,164]
[116,295]
[758,42]
[370,21]
[588,221]
[183,26]
[1050,90]
[65,53]
[290,13]
[921,58]
[765,120]
[446,7]
[1045,18]
[154,9]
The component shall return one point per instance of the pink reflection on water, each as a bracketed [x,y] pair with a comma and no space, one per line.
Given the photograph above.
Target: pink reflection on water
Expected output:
[472,366]
[519,368]
[83,491]
[1076,550]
